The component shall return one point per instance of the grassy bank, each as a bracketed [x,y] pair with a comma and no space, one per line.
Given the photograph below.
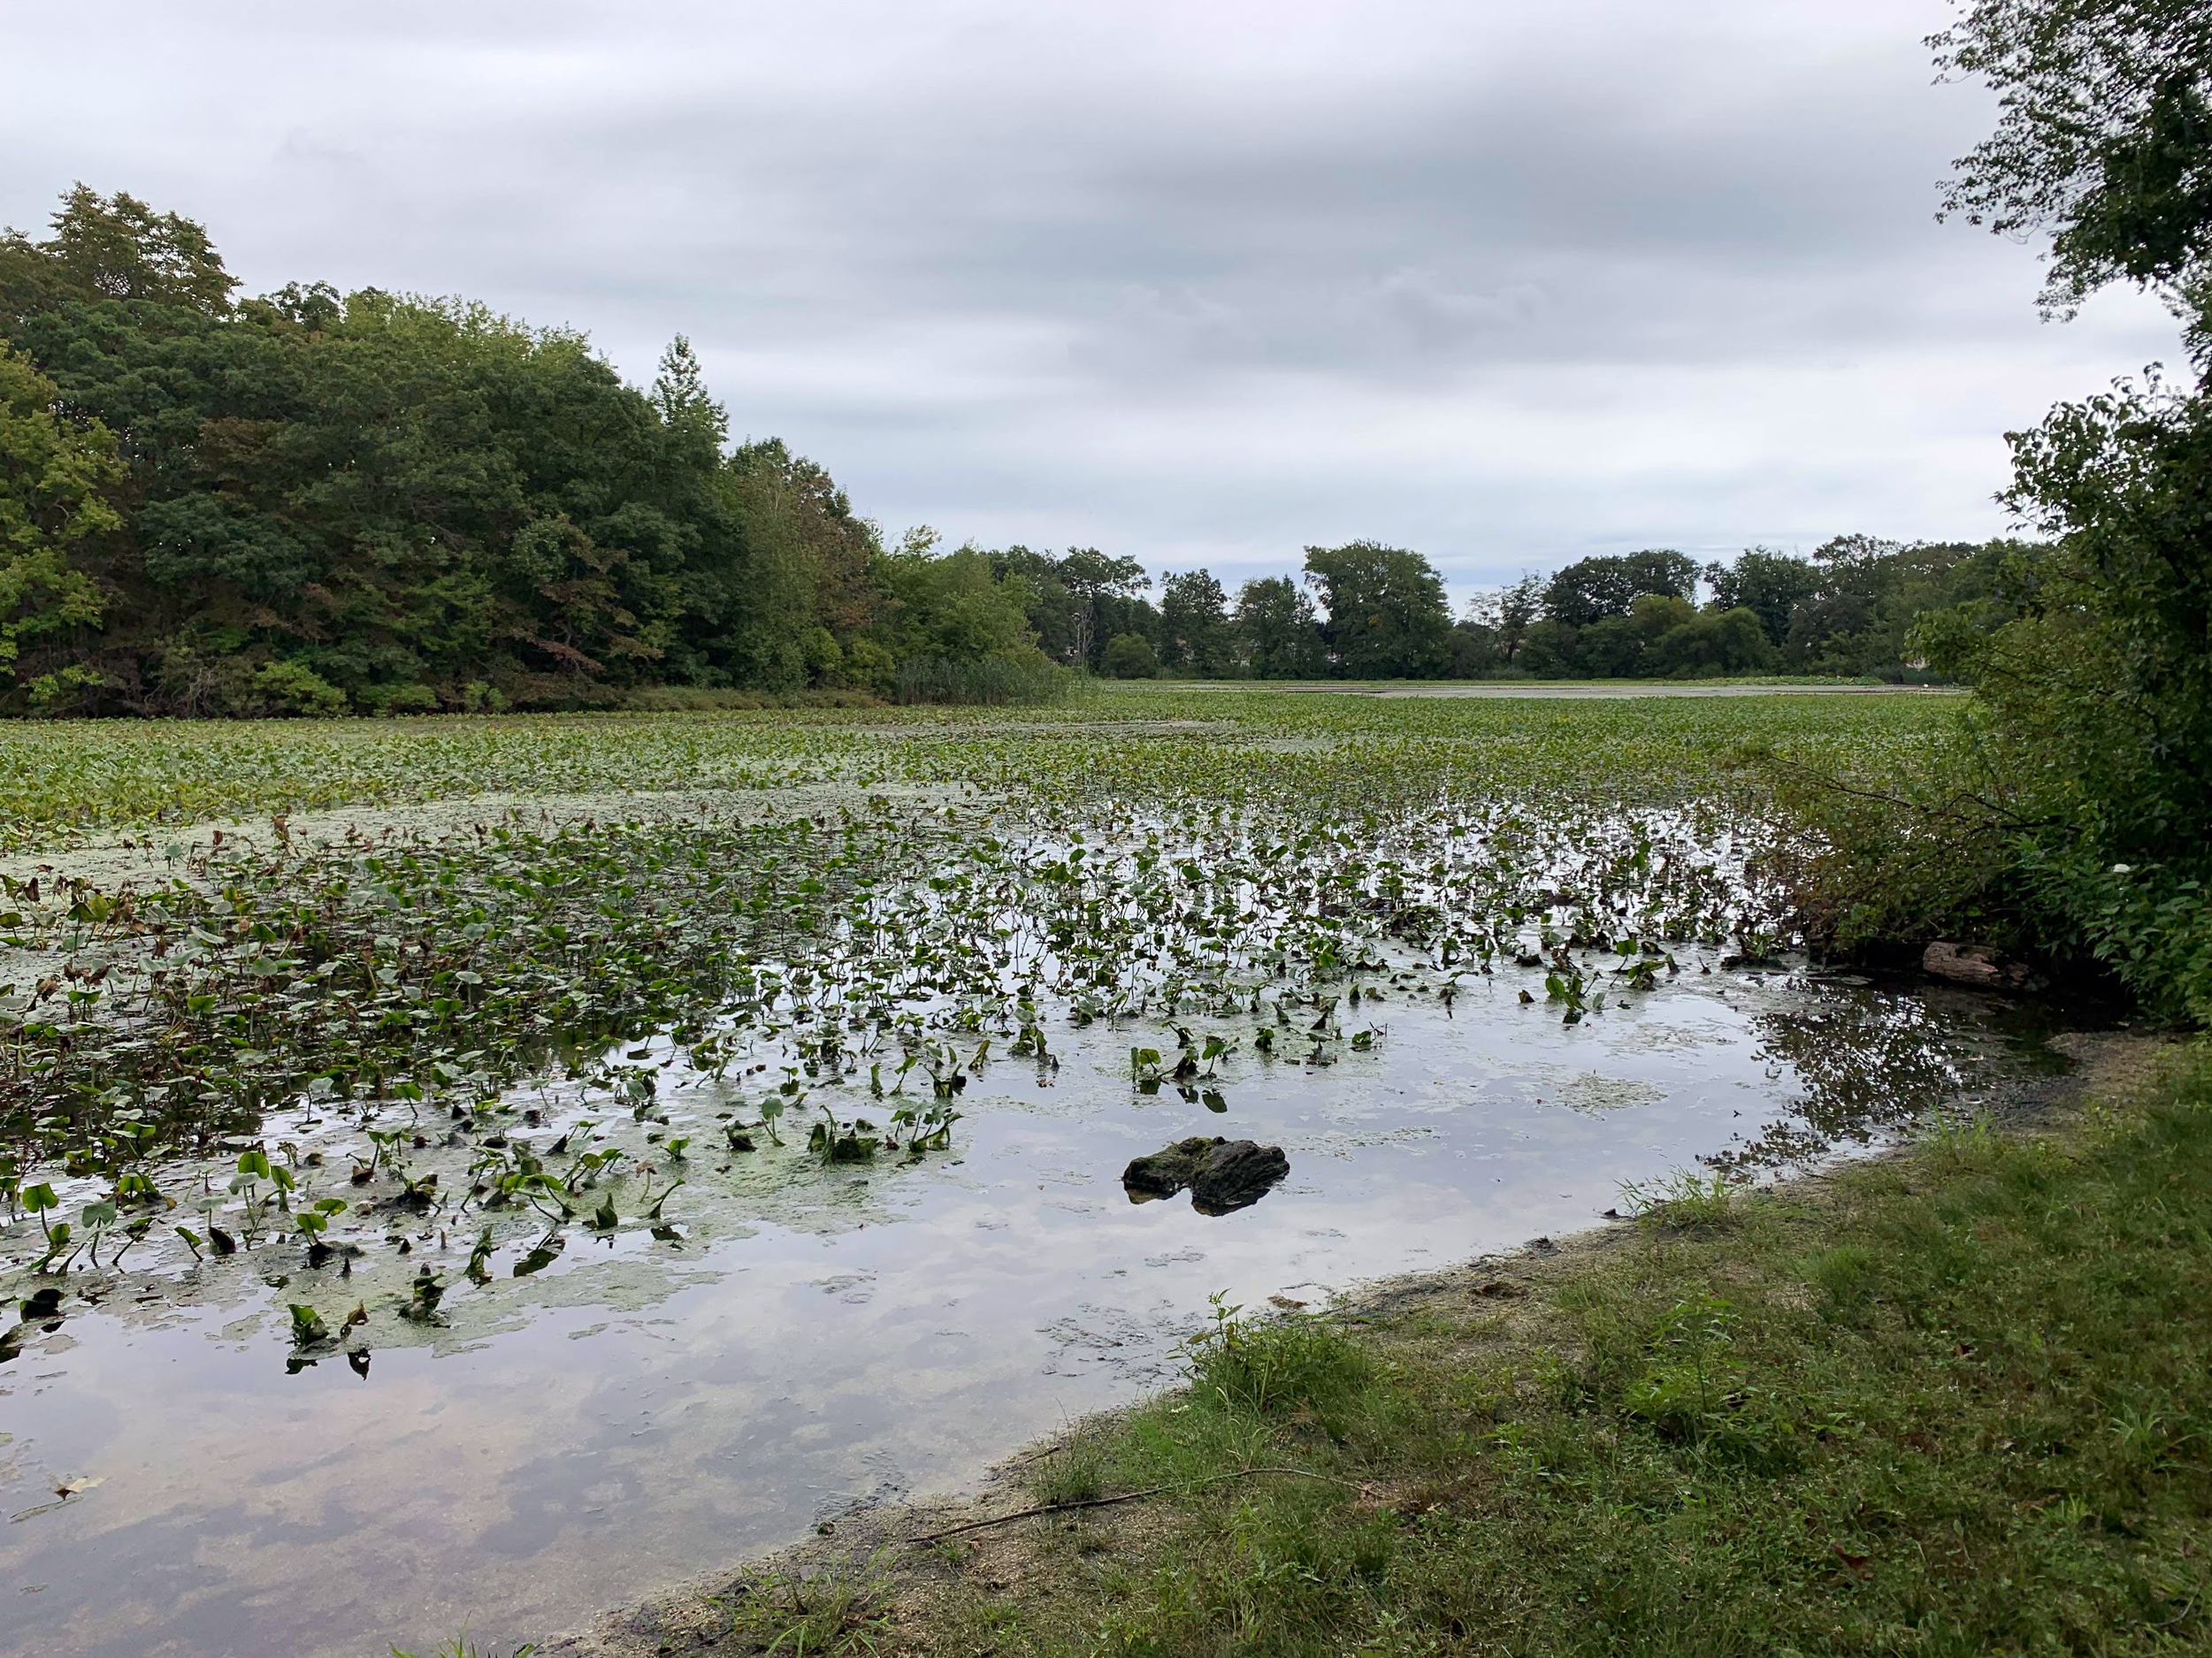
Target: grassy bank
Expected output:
[1953,1402]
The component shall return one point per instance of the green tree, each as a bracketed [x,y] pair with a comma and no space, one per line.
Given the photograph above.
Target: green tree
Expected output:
[2103,140]
[1475,650]
[1591,589]
[1388,618]
[1508,614]
[1712,641]
[1550,650]
[792,558]
[55,476]
[1130,657]
[953,607]
[1772,586]
[1612,647]
[1103,593]
[405,498]
[2081,817]
[1194,625]
[1868,593]
[1052,606]
[113,248]
[1276,630]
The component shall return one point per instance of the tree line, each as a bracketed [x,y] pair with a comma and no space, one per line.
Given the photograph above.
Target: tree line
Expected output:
[1365,611]
[313,502]
[310,502]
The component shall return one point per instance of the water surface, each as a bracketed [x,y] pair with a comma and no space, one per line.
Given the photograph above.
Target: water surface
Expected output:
[645,1409]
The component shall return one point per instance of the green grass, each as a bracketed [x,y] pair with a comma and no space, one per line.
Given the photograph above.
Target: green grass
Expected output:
[1956,1403]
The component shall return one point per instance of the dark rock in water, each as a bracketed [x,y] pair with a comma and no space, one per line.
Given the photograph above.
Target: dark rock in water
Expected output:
[1237,1173]
[1976,964]
[1223,1175]
[43,1303]
[1164,1174]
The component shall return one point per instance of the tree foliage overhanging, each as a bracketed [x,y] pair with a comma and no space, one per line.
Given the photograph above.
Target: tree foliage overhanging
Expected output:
[2076,814]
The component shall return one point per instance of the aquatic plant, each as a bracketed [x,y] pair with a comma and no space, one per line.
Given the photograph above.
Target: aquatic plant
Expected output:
[532,1020]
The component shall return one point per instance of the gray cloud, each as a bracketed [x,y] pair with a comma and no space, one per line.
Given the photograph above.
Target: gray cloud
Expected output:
[1202,283]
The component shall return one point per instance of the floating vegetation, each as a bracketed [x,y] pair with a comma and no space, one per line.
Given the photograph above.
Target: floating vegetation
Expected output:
[687,1039]
[476,1037]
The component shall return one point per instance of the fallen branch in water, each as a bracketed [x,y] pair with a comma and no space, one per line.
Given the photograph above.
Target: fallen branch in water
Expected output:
[1126,1496]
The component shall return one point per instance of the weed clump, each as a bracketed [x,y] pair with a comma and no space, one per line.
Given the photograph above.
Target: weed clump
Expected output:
[1269,1366]
[1686,1201]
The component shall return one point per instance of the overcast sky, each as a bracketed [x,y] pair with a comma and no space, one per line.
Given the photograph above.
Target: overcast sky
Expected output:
[1507,281]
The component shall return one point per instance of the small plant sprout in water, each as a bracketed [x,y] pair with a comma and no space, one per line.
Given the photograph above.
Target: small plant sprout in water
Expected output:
[253,1169]
[41,1201]
[927,1127]
[96,1218]
[854,1142]
[421,1306]
[308,1328]
[479,1270]
[314,1220]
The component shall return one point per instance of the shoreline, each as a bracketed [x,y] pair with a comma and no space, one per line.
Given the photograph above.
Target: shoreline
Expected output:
[883,1551]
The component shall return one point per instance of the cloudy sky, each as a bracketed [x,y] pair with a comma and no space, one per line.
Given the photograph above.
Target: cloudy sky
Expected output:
[1508,281]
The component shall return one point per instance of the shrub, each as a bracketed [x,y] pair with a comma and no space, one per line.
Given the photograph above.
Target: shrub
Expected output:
[294,688]
[1130,657]
[1275,1365]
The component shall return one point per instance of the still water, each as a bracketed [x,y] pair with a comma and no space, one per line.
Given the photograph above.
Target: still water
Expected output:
[804,1339]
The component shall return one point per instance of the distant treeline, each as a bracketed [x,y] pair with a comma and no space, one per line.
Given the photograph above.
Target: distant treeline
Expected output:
[1851,609]
[315,502]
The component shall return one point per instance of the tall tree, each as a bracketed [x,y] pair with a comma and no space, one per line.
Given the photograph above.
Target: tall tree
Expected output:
[1592,589]
[1053,609]
[55,473]
[2097,696]
[1388,618]
[113,248]
[1194,623]
[1276,631]
[1095,582]
[1770,585]
[1507,614]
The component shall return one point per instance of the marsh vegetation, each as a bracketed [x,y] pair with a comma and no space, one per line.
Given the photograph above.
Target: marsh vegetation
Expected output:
[447,1040]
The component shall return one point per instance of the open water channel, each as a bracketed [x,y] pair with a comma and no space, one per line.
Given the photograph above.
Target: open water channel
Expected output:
[801,1338]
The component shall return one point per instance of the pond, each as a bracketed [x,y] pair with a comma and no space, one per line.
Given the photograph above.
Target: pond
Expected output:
[562,1431]
[483,1211]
